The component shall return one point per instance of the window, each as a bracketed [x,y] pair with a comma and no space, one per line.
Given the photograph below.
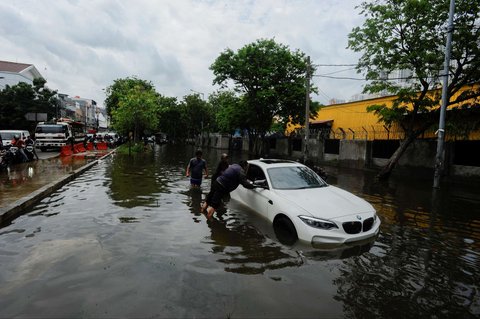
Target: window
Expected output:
[255,173]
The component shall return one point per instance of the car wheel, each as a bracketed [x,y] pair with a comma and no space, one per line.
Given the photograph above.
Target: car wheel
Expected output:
[285,230]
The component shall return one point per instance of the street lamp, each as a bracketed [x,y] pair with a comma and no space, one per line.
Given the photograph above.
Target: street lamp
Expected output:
[97,112]
[86,106]
[201,122]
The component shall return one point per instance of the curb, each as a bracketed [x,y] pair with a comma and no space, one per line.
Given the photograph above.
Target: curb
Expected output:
[17,208]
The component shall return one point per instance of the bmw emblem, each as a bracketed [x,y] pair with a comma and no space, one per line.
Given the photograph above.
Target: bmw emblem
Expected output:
[359,217]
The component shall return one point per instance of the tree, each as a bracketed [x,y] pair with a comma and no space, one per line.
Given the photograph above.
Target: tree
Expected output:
[272,79]
[22,98]
[197,114]
[230,111]
[171,119]
[410,35]
[133,106]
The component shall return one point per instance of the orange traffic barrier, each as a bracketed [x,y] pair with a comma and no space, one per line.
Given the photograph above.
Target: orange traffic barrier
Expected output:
[80,148]
[66,150]
[102,146]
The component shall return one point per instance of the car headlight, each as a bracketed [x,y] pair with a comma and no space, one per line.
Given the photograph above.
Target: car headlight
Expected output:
[318,223]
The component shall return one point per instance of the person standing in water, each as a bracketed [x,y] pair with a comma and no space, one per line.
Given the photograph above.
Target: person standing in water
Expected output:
[195,168]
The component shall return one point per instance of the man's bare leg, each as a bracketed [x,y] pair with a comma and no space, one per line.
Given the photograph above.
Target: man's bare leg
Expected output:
[210,212]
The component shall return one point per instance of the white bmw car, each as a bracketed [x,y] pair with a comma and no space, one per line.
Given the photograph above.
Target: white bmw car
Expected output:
[292,195]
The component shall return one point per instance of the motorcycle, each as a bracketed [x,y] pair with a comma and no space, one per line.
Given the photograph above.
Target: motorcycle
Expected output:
[11,156]
[29,151]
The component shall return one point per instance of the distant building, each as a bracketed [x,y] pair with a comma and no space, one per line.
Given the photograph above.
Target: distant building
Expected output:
[12,73]
[85,111]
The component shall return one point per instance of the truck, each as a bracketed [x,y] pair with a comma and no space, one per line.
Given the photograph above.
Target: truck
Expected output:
[56,134]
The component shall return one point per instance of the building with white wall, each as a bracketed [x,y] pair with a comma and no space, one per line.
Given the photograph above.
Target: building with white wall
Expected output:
[12,73]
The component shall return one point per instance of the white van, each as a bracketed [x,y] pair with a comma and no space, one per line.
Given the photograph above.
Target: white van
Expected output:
[8,135]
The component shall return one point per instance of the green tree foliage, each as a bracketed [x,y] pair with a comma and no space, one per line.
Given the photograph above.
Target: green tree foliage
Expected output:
[272,79]
[133,106]
[230,111]
[197,114]
[171,119]
[411,35]
[22,98]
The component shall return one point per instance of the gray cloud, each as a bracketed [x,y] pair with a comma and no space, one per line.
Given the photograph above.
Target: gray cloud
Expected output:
[81,47]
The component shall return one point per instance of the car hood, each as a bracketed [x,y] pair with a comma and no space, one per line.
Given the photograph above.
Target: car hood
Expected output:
[327,202]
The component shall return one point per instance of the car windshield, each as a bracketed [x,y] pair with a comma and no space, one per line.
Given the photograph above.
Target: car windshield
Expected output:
[51,129]
[7,136]
[294,177]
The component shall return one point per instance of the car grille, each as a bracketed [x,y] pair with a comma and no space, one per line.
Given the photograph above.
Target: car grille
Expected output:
[367,224]
[352,227]
[356,227]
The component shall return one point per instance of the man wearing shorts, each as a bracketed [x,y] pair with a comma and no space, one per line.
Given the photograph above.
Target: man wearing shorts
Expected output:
[195,169]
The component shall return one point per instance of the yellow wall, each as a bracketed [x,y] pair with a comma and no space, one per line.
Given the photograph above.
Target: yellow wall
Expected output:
[352,121]
[353,116]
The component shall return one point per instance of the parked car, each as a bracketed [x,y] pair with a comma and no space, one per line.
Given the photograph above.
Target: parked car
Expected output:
[294,197]
[8,135]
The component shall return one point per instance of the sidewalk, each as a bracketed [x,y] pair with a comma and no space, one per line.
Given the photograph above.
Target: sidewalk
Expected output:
[22,180]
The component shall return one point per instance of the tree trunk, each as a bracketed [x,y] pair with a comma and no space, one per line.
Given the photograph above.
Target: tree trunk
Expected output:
[384,174]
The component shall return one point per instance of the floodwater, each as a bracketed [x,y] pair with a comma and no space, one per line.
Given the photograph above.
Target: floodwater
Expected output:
[126,239]
[22,179]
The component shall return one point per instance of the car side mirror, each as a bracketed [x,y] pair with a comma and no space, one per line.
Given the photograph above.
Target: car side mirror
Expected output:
[261,183]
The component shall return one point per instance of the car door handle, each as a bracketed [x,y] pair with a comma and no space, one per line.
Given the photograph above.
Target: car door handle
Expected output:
[270,202]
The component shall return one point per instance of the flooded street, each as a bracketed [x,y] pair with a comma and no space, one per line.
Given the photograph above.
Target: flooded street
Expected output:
[127,239]
[22,179]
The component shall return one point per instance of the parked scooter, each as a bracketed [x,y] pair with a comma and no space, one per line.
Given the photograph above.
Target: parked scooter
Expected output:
[12,155]
[30,149]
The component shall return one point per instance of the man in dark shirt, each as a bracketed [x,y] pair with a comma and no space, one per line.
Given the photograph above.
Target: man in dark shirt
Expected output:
[233,176]
[195,169]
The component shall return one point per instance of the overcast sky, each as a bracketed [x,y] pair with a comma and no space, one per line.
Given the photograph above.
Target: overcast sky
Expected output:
[81,46]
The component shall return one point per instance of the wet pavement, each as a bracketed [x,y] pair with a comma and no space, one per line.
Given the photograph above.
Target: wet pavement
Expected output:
[126,239]
[24,178]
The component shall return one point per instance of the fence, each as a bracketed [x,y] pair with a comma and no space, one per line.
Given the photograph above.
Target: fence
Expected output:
[380,132]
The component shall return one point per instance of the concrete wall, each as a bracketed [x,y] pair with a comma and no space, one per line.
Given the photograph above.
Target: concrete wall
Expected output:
[357,154]
[353,153]
[420,154]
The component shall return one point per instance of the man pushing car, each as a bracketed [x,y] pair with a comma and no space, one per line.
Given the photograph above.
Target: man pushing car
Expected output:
[233,176]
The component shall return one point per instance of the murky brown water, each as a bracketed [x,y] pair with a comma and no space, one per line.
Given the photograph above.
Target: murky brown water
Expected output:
[22,179]
[126,239]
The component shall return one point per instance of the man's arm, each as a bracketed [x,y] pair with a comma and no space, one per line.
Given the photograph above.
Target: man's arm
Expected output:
[245,181]
[188,169]
[206,170]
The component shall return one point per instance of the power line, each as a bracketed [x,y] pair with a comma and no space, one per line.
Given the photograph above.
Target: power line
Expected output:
[335,65]
[359,79]
[339,77]
[339,71]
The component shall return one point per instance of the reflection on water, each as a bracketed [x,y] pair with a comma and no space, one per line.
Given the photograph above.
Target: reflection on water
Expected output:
[243,249]
[22,179]
[127,239]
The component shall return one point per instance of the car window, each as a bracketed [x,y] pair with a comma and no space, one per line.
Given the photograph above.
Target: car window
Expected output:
[294,177]
[255,173]
[51,129]
[7,136]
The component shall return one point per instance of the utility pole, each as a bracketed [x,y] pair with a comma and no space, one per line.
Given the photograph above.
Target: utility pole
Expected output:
[307,112]
[440,157]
